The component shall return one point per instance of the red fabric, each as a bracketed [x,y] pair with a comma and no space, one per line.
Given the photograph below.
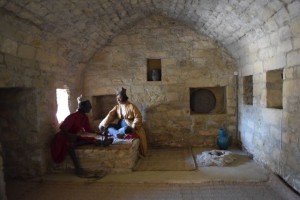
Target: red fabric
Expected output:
[60,147]
[74,123]
[131,136]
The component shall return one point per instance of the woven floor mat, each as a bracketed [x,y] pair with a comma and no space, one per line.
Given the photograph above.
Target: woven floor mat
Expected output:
[167,160]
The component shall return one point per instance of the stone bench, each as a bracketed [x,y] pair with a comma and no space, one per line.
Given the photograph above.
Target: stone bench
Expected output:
[121,156]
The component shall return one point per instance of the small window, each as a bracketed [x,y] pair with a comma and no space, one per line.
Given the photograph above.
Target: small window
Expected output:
[274,88]
[62,99]
[248,90]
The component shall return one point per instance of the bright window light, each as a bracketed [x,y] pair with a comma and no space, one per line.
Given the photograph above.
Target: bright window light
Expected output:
[62,104]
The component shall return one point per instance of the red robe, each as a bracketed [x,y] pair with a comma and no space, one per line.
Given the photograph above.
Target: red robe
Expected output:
[74,123]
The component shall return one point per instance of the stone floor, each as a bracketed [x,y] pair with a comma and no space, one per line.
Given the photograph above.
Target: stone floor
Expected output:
[244,179]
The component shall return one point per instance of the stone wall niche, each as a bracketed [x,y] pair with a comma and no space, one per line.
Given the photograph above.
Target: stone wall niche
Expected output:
[207,100]
[186,60]
[19,132]
[153,69]
[248,90]
[102,105]
[274,89]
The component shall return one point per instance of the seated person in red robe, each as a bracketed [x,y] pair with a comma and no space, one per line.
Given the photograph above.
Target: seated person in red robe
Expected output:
[75,131]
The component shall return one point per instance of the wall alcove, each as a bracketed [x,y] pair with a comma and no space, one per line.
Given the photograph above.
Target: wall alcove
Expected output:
[102,104]
[207,100]
[18,131]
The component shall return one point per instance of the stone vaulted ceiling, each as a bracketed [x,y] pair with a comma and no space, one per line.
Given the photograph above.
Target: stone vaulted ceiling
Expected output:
[86,26]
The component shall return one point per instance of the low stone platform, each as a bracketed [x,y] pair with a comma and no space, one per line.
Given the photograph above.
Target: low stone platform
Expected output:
[121,156]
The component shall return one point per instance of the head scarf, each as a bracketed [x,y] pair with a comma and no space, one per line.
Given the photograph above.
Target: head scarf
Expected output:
[84,105]
[122,92]
[81,99]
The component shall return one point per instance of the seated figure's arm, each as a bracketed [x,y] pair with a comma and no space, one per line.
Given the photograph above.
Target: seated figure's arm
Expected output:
[138,119]
[87,134]
[108,119]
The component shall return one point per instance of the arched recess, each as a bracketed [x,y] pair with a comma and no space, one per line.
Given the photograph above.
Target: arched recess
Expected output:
[188,60]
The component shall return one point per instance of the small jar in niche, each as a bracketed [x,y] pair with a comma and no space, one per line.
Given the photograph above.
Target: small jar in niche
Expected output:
[156,76]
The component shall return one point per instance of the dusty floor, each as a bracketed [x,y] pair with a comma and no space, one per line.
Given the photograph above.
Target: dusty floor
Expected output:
[243,179]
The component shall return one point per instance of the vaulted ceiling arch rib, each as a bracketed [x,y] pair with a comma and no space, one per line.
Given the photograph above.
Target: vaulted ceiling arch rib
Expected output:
[84,27]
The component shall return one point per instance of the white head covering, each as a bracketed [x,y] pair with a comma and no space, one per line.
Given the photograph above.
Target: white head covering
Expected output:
[81,99]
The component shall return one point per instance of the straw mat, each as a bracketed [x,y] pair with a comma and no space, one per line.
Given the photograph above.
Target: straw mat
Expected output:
[167,160]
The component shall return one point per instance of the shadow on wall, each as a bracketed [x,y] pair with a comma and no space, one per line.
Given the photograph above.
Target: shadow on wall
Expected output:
[2,182]
[18,113]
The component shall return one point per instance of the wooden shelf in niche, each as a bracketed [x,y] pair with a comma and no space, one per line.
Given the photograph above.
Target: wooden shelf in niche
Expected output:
[153,69]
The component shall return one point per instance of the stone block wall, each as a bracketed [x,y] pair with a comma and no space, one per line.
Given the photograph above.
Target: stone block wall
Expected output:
[271,133]
[261,36]
[30,63]
[119,157]
[188,60]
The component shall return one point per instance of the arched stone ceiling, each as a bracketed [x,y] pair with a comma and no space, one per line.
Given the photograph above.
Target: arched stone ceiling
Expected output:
[85,26]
